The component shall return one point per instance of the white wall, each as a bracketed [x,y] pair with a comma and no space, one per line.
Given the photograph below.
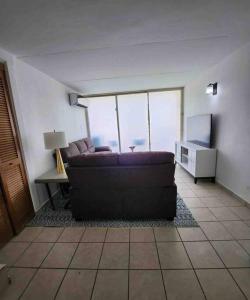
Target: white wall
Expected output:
[231,110]
[41,105]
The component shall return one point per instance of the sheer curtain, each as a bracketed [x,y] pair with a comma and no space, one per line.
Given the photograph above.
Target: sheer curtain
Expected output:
[145,121]
[133,122]
[103,122]
[165,119]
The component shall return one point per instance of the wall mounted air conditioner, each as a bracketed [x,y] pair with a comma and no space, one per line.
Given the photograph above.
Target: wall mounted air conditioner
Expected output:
[74,100]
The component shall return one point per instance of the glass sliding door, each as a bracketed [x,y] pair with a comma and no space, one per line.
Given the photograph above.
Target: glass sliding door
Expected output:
[165,119]
[103,122]
[145,121]
[133,121]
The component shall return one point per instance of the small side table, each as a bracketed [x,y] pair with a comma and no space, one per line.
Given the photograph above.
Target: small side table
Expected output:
[52,177]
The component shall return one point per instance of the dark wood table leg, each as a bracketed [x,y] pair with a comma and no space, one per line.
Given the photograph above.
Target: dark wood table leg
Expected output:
[62,190]
[50,196]
[67,205]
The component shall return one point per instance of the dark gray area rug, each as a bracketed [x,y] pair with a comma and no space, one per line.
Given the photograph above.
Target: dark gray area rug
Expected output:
[63,217]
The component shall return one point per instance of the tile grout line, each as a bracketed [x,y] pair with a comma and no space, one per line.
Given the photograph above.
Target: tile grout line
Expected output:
[228,268]
[32,277]
[162,277]
[224,263]
[28,283]
[67,268]
[38,268]
[194,270]
[235,213]
[83,230]
[50,249]
[126,269]
[129,261]
[244,221]
[227,231]
[19,256]
[220,222]
[145,242]
[226,219]
[29,244]
[92,292]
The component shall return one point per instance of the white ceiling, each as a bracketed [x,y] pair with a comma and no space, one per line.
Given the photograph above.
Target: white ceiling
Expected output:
[116,45]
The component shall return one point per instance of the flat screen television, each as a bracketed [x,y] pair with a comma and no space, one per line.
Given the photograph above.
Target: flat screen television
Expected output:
[199,130]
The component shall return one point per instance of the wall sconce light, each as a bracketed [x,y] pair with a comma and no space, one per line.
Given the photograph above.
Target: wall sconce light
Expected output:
[212,89]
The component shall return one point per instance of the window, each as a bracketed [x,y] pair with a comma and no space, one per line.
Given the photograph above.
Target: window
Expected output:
[133,121]
[147,120]
[165,119]
[103,122]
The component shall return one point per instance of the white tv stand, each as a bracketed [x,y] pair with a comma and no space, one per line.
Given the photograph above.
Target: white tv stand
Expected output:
[199,161]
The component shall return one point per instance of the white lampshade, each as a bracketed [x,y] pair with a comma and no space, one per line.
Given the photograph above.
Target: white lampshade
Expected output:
[55,140]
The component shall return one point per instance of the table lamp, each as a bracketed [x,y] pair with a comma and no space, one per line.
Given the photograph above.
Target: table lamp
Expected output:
[56,140]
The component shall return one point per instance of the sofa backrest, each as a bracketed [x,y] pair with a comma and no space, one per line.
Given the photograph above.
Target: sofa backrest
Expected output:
[76,148]
[122,159]
[89,144]
[70,151]
[94,160]
[113,170]
[81,145]
[145,158]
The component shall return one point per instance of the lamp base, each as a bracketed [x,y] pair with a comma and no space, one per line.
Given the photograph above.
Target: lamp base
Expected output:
[59,162]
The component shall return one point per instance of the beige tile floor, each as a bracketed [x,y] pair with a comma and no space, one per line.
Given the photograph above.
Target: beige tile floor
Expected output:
[209,262]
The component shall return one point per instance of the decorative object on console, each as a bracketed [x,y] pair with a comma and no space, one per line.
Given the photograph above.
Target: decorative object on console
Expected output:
[56,140]
[137,142]
[212,89]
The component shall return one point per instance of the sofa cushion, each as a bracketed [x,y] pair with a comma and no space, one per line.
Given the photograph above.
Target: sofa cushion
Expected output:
[99,152]
[89,144]
[68,152]
[103,149]
[146,158]
[81,145]
[100,159]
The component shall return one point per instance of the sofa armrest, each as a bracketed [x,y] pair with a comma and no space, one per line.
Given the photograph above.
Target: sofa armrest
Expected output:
[103,148]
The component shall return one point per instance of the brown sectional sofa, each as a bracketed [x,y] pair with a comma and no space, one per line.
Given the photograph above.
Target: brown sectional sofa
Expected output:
[83,146]
[137,185]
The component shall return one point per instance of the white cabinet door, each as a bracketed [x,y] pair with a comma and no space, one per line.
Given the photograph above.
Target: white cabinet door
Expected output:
[191,161]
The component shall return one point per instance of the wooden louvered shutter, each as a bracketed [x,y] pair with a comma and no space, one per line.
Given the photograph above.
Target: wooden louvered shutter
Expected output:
[6,231]
[12,173]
